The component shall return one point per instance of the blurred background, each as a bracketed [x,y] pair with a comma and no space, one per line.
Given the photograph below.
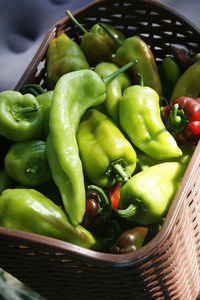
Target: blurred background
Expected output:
[23,26]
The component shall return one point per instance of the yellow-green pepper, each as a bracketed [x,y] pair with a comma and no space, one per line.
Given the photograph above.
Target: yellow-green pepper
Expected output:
[106,154]
[29,210]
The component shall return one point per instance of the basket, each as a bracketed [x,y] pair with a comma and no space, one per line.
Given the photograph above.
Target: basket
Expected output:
[168,267]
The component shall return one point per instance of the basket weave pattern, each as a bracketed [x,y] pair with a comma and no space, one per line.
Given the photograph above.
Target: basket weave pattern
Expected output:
[168,267]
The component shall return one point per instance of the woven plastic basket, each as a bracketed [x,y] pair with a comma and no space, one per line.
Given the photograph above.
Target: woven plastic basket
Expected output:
[168,267]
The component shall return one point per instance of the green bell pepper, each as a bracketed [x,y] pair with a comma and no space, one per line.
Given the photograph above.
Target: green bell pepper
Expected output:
[107,156]
[147,196]
[20,116]
[29,210]
[63,56]
[27,163]
[114,88]
[44,101]
[131,48]
[96,44]
[140,118]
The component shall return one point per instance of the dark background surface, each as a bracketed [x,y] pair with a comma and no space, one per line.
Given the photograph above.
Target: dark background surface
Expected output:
[24,24]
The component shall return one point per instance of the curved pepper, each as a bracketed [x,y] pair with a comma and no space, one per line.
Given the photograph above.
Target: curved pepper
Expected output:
[68,106]
[63,56]
[183,119]
[20,116]
[96,44]
[114,88]
[147,196]
[29,210]
[107,156]
[27,164]
[44,101]
[140,118]
[134,47]
[188,84]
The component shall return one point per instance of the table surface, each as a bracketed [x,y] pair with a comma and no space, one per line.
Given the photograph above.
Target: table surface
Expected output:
[24,24]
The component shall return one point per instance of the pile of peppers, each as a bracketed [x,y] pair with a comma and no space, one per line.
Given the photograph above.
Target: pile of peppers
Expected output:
[96,155]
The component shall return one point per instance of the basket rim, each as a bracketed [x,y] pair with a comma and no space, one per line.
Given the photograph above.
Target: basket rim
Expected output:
[92,255]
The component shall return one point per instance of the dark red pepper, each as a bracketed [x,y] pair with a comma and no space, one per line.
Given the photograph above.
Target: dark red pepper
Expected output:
[182,119]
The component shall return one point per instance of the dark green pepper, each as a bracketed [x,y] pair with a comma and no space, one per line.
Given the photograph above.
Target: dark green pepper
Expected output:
[107,156]
[20,116]
[147,196]
[131,48]
[114,88]
[140,119]
[96,44]
[28,210]
[63,56]
[27,163]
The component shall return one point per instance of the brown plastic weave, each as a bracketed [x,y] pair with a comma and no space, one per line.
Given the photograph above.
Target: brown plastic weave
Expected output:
[168,267]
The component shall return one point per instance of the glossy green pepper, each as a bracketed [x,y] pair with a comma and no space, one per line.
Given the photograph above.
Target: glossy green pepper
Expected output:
[63,56]
[107,156]
[28,210]
[131,48]
[20,116]
[96,44]
[140,119]
[114,88]
[147,196]
[68,106]
[188,83]
[27,163]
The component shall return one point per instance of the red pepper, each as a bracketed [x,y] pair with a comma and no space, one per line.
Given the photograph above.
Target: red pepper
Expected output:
[182,119]
[114,194]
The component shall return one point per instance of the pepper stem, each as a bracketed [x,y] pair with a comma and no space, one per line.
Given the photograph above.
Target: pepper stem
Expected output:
[117,168]
[103,199]
[141,80]
[106,29]
[32,88]
[128,212]
[19,113]
[121,70]
[75,21]
[177,119]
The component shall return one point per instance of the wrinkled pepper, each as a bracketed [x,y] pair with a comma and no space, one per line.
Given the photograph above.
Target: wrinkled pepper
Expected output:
[182,119]
[27,163]
[140,119]
[63,56]
[188,83]
[68,106]
[107,156]
[114,88]
[131,48]
[96,44]
[21,116]
[44,99]
[147,196]
[29,210]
